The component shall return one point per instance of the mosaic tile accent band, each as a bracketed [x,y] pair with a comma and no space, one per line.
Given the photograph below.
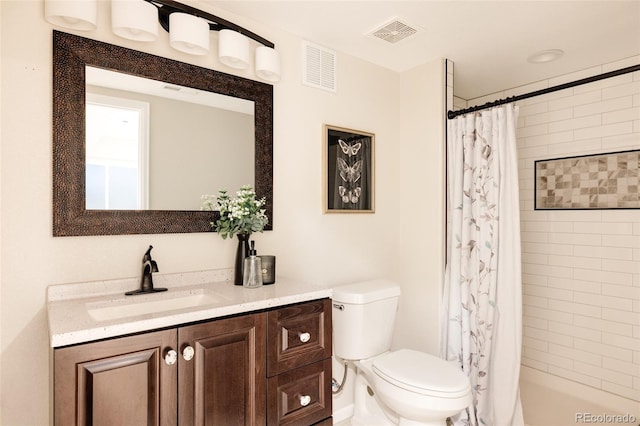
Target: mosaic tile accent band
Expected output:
[603,181]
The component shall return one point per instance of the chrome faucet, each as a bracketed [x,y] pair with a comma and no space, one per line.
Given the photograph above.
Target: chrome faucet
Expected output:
[149,266]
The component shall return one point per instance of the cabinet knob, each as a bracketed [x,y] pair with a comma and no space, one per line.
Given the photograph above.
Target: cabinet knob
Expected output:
[304,337]
[187,353]
[171,357]
[305,400]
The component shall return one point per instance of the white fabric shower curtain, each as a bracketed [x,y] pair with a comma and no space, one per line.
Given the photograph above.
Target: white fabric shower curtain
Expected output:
[482,303]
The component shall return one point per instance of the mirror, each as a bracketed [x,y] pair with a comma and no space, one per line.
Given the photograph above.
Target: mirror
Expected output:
[141,132]
[74,59]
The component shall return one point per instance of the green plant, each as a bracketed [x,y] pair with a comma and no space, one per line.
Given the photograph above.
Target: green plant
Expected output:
[241,215]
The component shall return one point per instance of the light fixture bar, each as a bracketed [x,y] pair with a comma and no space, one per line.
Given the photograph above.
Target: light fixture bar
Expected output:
[167,7]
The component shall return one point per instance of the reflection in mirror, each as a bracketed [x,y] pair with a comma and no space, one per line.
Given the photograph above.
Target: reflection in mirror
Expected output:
[116,153]
[74,58]
[141,133]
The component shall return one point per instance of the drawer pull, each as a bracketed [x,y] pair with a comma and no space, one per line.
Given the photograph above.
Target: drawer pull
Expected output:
[304,337]
[305,400]
[187,353]
[171,357]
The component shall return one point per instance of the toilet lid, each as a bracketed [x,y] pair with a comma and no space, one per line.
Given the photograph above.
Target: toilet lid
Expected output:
[422,373]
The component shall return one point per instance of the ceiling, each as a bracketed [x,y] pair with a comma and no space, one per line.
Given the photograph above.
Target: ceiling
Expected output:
[488,41]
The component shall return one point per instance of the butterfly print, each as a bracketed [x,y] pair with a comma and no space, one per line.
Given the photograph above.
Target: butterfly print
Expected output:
[349,195]
[350,173]
[350,150]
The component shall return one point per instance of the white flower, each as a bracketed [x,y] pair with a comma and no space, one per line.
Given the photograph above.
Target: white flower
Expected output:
[241,215]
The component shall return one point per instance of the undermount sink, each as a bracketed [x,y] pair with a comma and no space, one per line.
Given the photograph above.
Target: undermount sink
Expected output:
[132,306]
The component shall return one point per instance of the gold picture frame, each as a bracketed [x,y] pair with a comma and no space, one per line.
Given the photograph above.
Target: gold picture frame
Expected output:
[348,170]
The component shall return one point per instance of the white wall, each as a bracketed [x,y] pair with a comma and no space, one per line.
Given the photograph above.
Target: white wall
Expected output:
[419,206]
[581,268]
[2,85]
[333,248]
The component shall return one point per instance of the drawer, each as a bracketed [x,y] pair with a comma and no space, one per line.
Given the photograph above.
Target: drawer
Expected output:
[301,396]
[298,335]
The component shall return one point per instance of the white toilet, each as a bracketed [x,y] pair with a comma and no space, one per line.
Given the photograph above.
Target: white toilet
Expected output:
[404,387]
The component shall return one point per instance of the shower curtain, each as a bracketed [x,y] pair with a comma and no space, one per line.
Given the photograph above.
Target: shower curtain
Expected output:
[482,303]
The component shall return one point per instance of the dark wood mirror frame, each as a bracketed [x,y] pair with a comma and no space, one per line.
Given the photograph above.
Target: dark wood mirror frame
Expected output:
[70,56]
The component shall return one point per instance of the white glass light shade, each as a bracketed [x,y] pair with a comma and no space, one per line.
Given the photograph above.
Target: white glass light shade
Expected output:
[233,49]
[267,63]
[188,33]
[134,19]
[74,14]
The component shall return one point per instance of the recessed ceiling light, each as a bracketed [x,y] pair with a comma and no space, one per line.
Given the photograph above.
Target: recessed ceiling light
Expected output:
[545,56]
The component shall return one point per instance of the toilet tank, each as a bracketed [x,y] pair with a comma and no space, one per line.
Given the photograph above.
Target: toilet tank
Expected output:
[363,318]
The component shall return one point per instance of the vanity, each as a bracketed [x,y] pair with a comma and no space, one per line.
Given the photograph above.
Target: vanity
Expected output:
[204,352]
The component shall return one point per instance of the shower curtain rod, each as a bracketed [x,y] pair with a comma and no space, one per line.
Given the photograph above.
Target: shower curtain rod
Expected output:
[454,114]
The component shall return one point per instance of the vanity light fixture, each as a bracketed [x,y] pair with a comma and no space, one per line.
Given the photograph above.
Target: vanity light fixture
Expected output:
[267,63]
[188,33]
[189,29]
[134,20]
[233,49]
[77,14]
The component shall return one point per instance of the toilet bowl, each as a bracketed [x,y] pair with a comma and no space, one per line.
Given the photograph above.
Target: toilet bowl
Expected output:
[420,387]
[404,387]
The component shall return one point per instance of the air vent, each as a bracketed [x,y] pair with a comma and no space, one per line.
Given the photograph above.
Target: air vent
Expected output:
[319,67]
[171,87]
[394,31]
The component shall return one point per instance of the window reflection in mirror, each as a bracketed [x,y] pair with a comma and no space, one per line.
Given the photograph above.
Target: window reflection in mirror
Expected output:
[116,153]
[198,142]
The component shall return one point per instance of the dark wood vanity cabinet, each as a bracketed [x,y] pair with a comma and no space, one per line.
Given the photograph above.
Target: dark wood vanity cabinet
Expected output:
[260,368]
[299,364]
[224,382]
[122,381]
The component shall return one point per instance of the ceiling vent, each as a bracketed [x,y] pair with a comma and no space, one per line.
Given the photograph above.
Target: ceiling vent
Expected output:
[394,31]
[320,67]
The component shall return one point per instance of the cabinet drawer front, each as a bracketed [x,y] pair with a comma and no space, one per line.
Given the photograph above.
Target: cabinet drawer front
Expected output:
[298,335]
[301,396]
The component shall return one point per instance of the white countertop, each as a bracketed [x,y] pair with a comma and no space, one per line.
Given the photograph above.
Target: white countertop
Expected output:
[82,312]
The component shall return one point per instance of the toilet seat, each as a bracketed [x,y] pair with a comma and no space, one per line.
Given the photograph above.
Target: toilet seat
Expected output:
[422,373]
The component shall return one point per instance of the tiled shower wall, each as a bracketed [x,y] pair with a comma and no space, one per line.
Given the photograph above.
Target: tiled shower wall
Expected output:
[581,268]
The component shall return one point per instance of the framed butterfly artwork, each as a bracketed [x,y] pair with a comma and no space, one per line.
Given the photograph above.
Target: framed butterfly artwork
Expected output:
[348,170]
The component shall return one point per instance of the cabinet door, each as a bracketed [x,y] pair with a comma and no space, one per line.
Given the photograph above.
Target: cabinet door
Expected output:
[116,382]
[225,381]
